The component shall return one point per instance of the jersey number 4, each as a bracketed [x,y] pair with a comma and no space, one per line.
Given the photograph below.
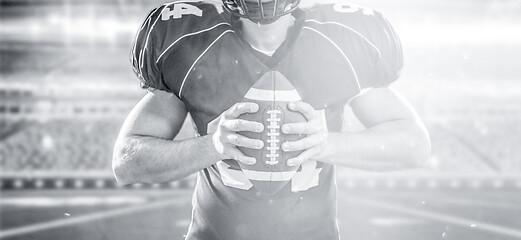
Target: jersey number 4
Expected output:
[179,10]
[352,8]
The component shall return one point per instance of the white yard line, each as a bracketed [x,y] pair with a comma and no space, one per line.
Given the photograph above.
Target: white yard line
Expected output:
[444,218]
[73,220]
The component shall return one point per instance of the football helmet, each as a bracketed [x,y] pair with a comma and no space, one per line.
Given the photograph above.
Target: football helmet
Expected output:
[261,11]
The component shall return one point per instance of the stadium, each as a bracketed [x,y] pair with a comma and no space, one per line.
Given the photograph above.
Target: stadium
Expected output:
[66,85]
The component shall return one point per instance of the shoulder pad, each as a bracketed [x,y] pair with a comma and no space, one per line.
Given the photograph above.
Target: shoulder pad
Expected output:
[163,25]
[351,25]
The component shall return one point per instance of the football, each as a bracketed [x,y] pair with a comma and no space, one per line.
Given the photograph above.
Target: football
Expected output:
[272,92]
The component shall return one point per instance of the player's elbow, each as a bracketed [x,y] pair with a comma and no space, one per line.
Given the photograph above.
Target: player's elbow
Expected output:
[121,173]
[122,162]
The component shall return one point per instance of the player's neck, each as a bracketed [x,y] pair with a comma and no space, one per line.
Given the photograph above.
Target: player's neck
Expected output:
[266,37]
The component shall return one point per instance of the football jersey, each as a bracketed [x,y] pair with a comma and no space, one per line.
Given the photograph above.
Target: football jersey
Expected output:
[333,52]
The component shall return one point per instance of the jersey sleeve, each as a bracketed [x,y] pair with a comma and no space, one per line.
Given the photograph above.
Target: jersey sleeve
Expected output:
[143,55]
[170,42]
[367,39]
[389,63]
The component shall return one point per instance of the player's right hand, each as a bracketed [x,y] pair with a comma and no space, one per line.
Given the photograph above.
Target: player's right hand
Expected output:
[226,139]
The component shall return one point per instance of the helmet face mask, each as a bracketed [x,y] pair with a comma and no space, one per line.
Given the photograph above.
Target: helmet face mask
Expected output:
[260,11]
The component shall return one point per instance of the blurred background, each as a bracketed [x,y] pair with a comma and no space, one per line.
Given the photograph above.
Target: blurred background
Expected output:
[66,85]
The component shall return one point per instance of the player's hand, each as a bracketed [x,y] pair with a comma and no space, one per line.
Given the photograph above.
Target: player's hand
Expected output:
[315,130]
[226,139]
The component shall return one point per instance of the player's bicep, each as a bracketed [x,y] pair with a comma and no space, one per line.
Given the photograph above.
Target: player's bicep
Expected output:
[380,105]
[158,114]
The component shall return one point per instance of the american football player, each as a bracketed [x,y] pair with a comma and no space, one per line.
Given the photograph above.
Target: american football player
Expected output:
[201,58]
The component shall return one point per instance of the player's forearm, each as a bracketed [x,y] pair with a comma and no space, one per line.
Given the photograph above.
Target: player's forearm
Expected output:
[153,160]
[388,146]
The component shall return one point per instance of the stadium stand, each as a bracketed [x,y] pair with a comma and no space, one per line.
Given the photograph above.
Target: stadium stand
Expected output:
[72,146]
[51,137]
[62,145]
[65,91]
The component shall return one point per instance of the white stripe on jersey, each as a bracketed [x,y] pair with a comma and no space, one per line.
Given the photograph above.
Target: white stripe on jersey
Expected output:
[152,27]
[196,60]
[269,95]
[142,53]
[184,1]
[148,36]
[351,29]
[340,50]
[138,68]
[187,35]
[148,19]
[268,176]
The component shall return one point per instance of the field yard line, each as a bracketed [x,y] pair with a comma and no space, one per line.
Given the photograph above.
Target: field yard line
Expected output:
[479,203]
[70,201]
[90,217]
[457,200]
[445,218]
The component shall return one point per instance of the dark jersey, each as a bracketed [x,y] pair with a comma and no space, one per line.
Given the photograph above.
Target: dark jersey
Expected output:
[195,51]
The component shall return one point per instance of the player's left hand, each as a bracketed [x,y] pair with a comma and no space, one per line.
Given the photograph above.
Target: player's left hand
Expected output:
[315,130]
